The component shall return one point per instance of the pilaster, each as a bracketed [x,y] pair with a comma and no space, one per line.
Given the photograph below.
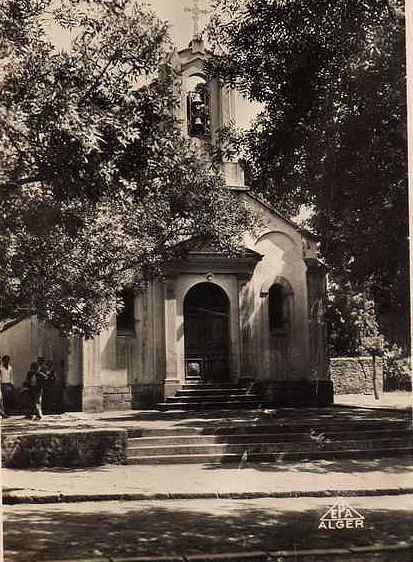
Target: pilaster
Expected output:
[92,394]
[244,342]
[171,382]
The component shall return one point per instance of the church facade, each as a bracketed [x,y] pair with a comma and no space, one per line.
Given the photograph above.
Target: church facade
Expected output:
[256,318]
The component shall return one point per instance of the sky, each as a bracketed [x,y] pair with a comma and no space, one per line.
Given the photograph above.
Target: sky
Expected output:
[180,22]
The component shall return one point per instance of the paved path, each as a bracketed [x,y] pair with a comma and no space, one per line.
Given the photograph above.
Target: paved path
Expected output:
[395,400]
[203,480]
[122,530]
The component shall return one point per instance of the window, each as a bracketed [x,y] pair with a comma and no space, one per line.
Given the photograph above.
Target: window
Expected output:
[277,308]
[125,319]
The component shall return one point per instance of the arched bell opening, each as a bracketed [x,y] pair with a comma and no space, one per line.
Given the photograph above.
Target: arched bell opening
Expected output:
[197,107]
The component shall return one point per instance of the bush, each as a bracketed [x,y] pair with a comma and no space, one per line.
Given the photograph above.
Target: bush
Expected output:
[396,370]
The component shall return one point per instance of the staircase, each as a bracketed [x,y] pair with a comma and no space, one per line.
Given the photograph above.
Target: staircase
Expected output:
[293,435]
[199,396]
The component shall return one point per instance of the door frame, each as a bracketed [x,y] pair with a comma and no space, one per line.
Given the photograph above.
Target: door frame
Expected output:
[230,285]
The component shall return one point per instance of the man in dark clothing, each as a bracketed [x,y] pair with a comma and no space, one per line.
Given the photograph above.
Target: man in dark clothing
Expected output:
[36,380]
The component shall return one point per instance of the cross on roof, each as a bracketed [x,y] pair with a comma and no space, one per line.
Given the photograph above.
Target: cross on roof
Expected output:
[196,12]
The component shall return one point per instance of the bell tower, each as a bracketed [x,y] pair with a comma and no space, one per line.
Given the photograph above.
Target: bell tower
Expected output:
[206,106]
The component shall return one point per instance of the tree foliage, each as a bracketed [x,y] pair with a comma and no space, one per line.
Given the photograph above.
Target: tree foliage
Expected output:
[332,134]
[98,185]
[352,322]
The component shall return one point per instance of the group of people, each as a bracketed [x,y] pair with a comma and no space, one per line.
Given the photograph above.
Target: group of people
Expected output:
[40,377]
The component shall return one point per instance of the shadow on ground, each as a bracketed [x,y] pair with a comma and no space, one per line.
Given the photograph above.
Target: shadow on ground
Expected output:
[390,465]
[396,466]
[87,530]
[208,418]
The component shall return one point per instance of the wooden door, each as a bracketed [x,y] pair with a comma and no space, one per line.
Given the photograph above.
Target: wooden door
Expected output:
[206,326]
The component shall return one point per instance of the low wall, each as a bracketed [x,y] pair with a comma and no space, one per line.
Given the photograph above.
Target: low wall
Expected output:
[296,394]
[354,375]
[146,396]
[117,398]
[80,448]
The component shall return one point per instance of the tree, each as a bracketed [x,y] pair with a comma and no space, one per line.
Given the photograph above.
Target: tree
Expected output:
[330,76]
[98,186]
[354,329]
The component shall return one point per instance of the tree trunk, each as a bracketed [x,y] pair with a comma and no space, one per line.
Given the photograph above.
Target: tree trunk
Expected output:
[376,393]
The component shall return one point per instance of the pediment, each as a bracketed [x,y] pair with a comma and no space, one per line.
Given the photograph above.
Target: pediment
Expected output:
[199,256]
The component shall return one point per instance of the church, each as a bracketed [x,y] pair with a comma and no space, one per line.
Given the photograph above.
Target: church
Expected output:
[255,319]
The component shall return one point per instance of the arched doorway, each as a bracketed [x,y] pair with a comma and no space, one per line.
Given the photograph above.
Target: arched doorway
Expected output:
[206,329]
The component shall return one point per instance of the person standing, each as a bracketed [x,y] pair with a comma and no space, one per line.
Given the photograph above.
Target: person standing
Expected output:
[2,411]
[36,381]
[30,385]
[7,388]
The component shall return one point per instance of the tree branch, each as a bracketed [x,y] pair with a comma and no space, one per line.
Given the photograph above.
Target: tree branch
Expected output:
[100,76]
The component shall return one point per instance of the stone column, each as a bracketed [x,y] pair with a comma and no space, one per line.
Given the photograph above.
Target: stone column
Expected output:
[72,394]
[171,382]
[92,395]
[244,335]
[264,335]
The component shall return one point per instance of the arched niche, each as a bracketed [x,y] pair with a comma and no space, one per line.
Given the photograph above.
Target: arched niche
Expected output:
[279,305]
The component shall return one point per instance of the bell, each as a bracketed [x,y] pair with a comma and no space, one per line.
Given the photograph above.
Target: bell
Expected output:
[196,98]
[198,122]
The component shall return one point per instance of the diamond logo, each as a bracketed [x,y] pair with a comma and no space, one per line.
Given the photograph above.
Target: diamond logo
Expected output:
[341,516]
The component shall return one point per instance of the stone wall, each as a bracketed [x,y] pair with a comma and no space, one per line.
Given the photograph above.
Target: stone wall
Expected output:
[354,375]
[80,448]
[293,394]
[117,398]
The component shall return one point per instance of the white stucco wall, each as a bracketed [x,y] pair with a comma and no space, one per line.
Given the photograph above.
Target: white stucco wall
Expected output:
[118,360]
[265,355]
[112,371]
[29,339]
[148,351]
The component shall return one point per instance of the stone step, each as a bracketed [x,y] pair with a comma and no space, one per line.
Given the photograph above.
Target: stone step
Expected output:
[236,458]
[208,398]
[190,386]
[235,404]
[190,392]
[283,426]
[267,448]
[243,438]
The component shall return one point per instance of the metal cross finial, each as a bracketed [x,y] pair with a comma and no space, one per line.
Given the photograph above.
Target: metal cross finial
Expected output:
[196,12]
